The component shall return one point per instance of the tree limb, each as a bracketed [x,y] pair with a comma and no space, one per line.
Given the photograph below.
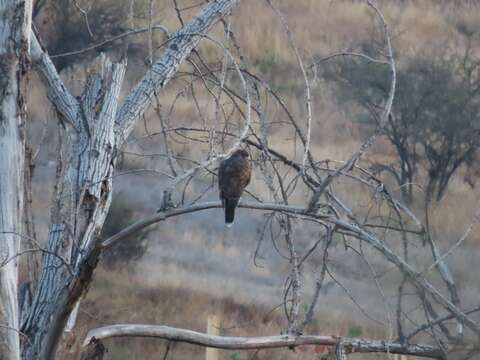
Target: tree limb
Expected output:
[57,92]
[350,345]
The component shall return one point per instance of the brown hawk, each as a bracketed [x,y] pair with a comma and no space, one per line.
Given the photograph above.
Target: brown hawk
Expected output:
[233,178]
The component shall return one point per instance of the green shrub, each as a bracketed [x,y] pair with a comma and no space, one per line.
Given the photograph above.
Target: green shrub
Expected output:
[355,331]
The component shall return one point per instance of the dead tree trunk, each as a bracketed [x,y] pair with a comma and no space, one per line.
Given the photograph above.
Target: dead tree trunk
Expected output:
[82,202]
[15,20]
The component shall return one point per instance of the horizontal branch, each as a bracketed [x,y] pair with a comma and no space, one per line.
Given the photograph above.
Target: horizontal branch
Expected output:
[157,217]
[351,345]
[348,54]
[110,40]
[434,322]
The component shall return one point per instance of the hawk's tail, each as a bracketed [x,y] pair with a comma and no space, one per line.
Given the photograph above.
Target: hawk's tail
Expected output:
[229,205]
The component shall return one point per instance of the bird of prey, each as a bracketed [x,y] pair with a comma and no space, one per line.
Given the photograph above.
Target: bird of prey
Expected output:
[233,178]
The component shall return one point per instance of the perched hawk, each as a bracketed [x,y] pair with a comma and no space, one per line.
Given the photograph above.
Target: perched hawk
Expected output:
[233,178]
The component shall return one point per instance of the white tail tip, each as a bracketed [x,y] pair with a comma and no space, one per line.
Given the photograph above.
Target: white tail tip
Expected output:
[229,225]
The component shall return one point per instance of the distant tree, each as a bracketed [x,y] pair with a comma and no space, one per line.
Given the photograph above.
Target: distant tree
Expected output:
[80,30]
[434,123]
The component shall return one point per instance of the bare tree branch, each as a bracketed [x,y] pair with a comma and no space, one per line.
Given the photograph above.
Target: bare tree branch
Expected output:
[386,113]
[243,343]
[183,41]
[57,92]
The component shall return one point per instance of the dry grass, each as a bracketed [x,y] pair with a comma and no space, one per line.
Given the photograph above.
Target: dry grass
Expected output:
[323,26]
[116,297]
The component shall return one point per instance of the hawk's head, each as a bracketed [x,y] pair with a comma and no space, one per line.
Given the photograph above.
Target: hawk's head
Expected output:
[241,153]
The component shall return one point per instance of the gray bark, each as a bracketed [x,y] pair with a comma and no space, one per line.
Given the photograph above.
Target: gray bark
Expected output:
[15,17]
[82,202]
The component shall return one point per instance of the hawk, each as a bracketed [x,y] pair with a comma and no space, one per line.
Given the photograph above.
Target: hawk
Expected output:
[233,178]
